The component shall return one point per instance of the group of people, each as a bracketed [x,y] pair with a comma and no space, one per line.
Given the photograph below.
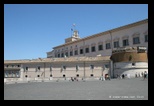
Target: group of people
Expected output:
[139,74]
[74,79]
[144,75]
[106,77]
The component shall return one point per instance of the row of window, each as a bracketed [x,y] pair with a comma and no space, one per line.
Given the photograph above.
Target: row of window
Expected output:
[136,40]
[77,75]
[7,66]
[11,74]
[64,68]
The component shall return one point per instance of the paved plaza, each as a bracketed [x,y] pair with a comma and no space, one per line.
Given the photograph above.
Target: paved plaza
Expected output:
[115,89]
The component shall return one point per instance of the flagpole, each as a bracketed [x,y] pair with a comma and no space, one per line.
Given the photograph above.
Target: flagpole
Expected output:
[71,32]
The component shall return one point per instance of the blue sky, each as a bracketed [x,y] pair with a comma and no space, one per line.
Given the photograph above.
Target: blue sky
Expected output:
[31,30]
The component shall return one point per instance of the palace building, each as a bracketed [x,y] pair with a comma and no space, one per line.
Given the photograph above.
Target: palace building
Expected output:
[122,50]
[131,35]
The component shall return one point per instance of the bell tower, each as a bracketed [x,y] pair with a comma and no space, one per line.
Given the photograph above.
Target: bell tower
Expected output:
[74,36]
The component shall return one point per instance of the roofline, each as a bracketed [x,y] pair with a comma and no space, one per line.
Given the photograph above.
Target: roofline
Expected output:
[55,60]
[105,32]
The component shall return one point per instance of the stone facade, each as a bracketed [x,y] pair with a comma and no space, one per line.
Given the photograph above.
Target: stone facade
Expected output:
[117,51]
[58,68]
[130,61]
[132,35]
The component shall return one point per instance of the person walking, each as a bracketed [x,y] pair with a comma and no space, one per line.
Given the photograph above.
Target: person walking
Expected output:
[145,75]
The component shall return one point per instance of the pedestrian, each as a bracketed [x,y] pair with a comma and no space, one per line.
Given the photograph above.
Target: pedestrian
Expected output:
[142,74]
[145,75]
[139,74]
[123,76]
[136,74]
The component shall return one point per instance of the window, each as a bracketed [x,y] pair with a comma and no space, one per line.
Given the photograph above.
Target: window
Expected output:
[125,42]
[38,68]
[64,75]
[50,68]
[62,55]
[136,40]
[58,55]
[81,51]
[146,38]
[87,50]
[26,68]
[76,52]
[116,44]
[100,47]
[133,64]
[50,75]
[77,67]
[108,46]
[71,53]
[17,74]
[91,67]
[6,74]
[91,75]
[66,54]
[106,66]
[63,68]
[93,49]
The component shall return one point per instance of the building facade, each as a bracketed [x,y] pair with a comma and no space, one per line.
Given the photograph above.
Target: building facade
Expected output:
[130,61]
[122,50]
[57,68]
[132,35]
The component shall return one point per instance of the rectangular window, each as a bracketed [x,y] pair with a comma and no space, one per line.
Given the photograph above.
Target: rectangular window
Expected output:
[87,50]
[63,68]
[136,40]
[108,46]
[146,38]
[93,49]
[6,74]
[66,54]
[81,51]
[58,55]
[106,66]
[38,68]
[100,47]
[17,74]
[50,68]
[62,55]
[77,67]
[26,68]
[91,67]
[125,42]
[71,53]
[116,44]
[76,52]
